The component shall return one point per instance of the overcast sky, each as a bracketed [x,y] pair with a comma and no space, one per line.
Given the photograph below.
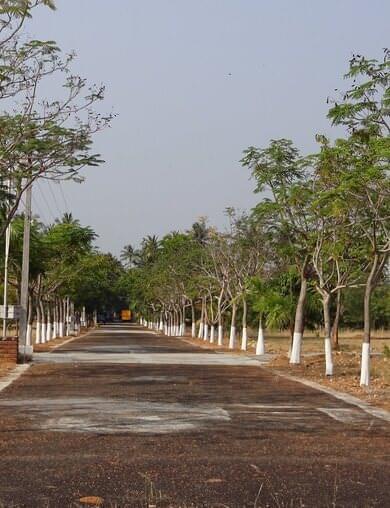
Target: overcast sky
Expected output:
[195,82]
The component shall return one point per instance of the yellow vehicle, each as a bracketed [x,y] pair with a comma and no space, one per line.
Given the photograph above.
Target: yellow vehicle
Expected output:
[125,315]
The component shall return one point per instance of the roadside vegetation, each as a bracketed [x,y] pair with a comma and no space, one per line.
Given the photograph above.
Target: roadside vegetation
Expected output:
[310,258]
[71,282]
[48,138]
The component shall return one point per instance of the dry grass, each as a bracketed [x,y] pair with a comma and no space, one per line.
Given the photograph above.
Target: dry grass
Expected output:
[346,360]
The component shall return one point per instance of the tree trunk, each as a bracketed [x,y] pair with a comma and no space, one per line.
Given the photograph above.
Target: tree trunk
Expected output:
[232,338]
[183,326]
[295,356]
[327,339]
[260,346]
[38,323]
[336,321]
[200,334]
[206,331]
[220,325]
[366,345]
[48,323]
[193,320]
[206,322]
[244,342]
[30,316]
[43,322]
[60,319]
[212,333]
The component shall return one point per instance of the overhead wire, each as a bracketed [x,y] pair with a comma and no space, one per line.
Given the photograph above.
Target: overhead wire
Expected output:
[54,198]
[63,197]
[46,202]
[38,209]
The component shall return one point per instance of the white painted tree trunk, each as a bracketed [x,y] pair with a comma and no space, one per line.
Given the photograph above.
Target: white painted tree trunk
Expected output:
[200,334]
[38,328]
[161,325]
[295,356]
[43,333]
[193,330]
[206,332]
[260,346]
[212,334]
[328,357]
[48,331]
[29,335]
[365,365]
[244,342]
[220,335]
[67,319]
[61,329]
[232,337]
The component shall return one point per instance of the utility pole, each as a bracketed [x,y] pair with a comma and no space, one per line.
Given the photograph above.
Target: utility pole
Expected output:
[6,255]
[24,348]
[5,294]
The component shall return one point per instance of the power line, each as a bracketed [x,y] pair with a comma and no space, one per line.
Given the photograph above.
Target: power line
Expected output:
[39,210]
[54,198]
[63,197]
[46,202]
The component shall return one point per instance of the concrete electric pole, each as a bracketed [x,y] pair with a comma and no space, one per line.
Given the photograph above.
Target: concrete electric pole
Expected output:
[25,349]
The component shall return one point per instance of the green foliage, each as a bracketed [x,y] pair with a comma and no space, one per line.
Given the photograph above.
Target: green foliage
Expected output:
[365,107]
[96,283]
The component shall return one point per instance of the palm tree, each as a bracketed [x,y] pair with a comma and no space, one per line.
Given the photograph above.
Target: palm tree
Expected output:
[200,231]
[68,218]
[149,249]
[129,256]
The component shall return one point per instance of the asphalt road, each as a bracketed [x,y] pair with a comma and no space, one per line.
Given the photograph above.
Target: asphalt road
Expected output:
[138,419]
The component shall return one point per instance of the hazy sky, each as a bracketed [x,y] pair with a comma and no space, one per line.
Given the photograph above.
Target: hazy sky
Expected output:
[193,84]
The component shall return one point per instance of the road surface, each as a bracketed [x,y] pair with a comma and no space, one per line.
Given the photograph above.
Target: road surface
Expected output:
[137,419]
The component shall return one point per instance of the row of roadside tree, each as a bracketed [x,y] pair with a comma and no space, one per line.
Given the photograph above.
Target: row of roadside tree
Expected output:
[319,237]
[48,118]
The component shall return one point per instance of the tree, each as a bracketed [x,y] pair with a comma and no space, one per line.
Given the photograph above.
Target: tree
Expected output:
[365,183]
[41,137]
[128,255]
[279,169]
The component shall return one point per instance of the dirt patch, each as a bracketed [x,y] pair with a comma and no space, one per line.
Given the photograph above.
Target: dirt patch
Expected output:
[346,375]
[49,346]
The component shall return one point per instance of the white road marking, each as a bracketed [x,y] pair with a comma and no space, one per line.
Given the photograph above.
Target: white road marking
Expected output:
[345,397]
[346,415]
[99,415]
[13,376]
[147,358]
